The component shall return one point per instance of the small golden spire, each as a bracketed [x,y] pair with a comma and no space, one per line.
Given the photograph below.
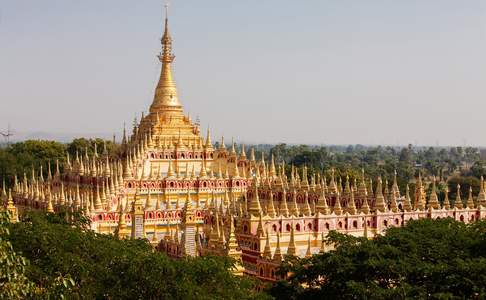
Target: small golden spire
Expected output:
[292,249]
[322,206]
[365,208]
[284,210]
[351,207]
[434,200]
[380,199]
[271,208]
[458,203]
[277,256]
[243,152]
[233,149]
[50,208]
[470,200]
[482,193]
[323,243]
[3,196]
[154,236]
[267,253]
[407,203]
[307,211]
[395,188]
[260,229]
[236,172]
[209,144]
[447,202]
[97,202]
[308,253]
[222,146]
[202,172]
[11,208]
[170,173]
[255,208]
[294,209]
[148,201]
[272,172]
[337,206]
[121,227]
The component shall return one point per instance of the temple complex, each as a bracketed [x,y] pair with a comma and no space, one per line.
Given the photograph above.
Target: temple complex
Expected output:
[169,184]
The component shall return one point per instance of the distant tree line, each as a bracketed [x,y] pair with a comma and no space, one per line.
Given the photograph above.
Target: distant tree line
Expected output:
[19,158]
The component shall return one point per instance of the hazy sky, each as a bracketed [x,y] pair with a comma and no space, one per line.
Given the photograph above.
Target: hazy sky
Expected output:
[345,72]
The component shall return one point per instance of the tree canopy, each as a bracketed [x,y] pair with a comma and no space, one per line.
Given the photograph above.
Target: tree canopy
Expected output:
[13,282]
[20,157]
[433,259]
[103,267]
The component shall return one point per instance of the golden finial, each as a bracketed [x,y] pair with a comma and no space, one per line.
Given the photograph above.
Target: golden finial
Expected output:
[166,55]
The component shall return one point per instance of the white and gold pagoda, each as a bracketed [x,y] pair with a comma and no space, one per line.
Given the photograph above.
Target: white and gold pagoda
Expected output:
[170,185]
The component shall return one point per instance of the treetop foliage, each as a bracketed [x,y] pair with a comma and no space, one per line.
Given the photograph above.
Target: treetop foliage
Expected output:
[103,267]
[433,259]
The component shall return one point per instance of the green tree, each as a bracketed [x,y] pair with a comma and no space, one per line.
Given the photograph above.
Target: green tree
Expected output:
[437,259]
[103,267]
[13,282]
[20,157]
[80,145]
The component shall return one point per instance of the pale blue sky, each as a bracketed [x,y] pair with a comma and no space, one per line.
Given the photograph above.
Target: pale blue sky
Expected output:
[363,71]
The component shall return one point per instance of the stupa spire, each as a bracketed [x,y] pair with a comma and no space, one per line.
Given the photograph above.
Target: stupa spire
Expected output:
[166,100]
